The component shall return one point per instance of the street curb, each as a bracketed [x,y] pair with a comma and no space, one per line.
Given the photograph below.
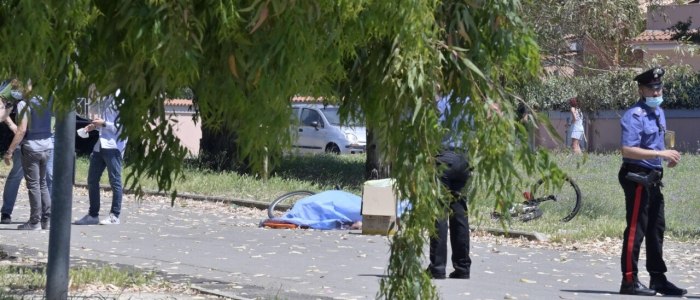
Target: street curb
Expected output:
[240,202]
[217,293]
[532,236]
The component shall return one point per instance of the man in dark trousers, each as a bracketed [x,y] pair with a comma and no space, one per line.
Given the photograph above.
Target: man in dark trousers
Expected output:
[34,137]
[643,152]
[108,153]
[453,164]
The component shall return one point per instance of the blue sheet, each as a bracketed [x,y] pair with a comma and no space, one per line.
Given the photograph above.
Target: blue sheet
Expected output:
[330,210]
[326,210]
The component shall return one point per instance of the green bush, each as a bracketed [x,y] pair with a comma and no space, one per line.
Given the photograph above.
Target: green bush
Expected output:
[610,90]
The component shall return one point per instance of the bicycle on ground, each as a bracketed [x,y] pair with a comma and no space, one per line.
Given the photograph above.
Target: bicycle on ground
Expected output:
[284,203]
[560,203]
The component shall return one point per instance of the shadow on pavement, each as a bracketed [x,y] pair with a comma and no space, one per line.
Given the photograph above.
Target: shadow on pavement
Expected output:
[618,293]
[373,275]
[592,292]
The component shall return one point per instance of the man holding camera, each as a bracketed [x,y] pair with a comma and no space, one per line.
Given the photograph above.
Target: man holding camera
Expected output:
[643,152]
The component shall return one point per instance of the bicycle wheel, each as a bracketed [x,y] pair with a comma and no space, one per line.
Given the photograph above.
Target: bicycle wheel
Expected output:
[288,201]
[560,203]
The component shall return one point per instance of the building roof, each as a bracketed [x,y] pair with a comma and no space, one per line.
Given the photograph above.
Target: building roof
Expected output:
[188,102]
[178,102]
[306,99]
[650,35]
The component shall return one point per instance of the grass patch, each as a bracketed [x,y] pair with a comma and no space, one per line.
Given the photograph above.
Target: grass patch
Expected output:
[304,172]
[325,170]
[4,296]
[602,212]
[34,278]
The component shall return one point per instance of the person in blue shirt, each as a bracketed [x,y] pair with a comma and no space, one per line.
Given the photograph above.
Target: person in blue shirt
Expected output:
[643,151]
[34,137]
[455,171]
[14,178]
[107,154]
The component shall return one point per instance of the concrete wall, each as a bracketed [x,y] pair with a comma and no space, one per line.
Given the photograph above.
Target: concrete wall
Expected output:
[603,131]
[671,50]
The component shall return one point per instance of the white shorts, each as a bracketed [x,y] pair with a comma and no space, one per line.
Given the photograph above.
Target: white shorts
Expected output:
[577,135]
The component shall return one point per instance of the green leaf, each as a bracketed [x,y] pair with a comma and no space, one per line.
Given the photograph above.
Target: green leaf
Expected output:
[251,7]
[473,67]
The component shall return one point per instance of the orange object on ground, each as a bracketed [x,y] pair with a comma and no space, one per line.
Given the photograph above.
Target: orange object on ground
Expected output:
[278,224]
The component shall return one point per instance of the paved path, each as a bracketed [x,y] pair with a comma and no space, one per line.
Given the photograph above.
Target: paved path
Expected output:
[226,252]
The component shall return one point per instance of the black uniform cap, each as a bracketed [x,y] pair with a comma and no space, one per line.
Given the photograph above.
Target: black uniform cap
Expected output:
[650,78]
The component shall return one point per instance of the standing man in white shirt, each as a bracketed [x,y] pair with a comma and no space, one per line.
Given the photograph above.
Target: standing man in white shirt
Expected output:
[108,153]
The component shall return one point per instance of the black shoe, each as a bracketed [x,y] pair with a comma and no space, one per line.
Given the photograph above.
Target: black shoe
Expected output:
[435,276]
[636,288]
[667,288]
[5,219]
[459,275]
[45,224]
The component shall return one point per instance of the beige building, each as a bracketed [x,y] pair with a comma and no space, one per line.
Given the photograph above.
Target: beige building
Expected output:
[656,41]
[180,113]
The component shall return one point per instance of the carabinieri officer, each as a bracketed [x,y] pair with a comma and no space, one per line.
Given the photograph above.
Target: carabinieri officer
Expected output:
[643,151]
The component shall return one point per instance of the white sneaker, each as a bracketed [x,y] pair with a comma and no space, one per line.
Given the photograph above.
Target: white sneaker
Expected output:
[88,220]
[110,220]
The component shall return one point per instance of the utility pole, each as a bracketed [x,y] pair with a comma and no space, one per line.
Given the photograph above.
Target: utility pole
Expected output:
[61,206]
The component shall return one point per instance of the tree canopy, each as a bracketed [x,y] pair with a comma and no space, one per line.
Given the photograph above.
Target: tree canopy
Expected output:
[244,59]
[600,29]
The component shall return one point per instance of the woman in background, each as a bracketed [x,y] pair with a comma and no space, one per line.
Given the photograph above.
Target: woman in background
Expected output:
[576,126]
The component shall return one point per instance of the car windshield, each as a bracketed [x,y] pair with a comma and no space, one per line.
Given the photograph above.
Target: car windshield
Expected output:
[332,116]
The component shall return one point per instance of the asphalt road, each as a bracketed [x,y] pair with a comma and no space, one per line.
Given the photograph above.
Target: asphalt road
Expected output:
[228,253]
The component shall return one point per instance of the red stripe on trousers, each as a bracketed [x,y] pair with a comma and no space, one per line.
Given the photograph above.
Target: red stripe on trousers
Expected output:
[633,229]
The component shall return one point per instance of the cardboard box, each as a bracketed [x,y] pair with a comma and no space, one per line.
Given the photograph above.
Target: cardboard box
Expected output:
[378,210]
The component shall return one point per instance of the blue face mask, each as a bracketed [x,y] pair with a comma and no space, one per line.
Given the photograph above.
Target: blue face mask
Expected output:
[654,102]
[16,94]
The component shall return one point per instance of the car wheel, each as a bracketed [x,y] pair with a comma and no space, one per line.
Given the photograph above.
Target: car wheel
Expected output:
[333,149]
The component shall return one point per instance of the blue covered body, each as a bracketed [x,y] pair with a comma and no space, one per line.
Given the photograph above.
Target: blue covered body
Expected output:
[328,210]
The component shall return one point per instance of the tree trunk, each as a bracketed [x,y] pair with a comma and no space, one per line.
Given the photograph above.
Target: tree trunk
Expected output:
[218,150]
[374,158]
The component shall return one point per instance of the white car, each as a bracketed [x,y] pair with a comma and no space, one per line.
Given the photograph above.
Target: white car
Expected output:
[318,130]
